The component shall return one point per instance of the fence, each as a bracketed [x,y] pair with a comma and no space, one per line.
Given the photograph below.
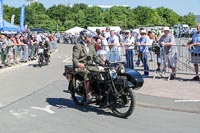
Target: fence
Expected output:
[21,53]
[184,65]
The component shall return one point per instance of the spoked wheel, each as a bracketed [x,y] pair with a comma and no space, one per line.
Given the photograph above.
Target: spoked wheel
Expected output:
[46,62]
[78,92]
[40,61]
[123,104]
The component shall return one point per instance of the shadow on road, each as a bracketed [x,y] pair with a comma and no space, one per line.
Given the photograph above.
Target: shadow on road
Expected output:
[36,65]
[63,103]
[186,80]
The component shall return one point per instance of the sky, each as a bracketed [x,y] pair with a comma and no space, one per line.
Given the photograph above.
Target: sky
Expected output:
[182,7]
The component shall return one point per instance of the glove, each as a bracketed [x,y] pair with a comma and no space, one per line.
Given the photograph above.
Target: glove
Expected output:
[107,62]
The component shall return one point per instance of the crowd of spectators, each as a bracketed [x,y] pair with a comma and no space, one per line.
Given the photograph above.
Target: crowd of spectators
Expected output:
[126,45]
[69,38]
[144,44]
[23,47]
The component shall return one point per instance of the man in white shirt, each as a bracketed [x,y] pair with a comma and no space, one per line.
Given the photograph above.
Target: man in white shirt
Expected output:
[107,33]
[128,42]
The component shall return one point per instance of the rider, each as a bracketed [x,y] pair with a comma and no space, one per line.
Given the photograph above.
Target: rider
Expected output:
[84,58]
[46,49]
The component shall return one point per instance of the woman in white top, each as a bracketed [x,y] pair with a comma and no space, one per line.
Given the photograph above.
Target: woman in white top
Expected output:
[104,43]
[114,45]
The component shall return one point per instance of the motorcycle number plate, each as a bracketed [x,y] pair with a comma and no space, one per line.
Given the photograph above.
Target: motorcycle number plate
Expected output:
[113,74]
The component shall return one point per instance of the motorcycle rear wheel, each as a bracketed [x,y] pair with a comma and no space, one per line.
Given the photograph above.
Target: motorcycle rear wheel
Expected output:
[120,103]
[78,93]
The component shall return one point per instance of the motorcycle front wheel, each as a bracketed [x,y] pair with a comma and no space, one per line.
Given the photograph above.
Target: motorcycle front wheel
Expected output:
[123,104]
[78,92]
[40,61]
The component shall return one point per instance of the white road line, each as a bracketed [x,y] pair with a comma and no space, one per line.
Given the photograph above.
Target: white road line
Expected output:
[46,109]
[68,57]
[187,101]
[67,60]
[33,115]
[20,113]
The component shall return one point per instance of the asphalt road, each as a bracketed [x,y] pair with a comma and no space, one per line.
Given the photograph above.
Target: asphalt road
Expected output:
[32,101]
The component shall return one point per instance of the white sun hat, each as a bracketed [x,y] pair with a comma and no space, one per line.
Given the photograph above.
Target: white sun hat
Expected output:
[165,28]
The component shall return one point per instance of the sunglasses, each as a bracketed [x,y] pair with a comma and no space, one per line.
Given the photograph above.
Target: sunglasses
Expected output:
[142,34]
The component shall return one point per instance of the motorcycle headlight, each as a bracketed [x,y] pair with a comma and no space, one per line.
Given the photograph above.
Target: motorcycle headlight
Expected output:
[120,69]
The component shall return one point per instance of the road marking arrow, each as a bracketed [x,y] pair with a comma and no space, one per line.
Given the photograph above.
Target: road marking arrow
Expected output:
[20,113]
[67,60]
[46,109]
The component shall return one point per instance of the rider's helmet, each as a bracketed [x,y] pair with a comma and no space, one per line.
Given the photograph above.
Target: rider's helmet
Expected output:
[102,54]
[84,34]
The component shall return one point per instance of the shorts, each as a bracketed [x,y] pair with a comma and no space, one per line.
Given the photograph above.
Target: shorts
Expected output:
[171,60]
[195,58]
[10,51]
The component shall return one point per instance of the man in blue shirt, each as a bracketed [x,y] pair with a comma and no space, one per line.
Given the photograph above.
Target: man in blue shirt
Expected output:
[143,44]
[195,51]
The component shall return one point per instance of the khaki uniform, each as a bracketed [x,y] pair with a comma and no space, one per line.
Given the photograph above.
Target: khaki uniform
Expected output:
[80,55]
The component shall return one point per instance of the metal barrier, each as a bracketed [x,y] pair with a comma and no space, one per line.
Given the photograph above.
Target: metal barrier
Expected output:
[184,65]
[0,53]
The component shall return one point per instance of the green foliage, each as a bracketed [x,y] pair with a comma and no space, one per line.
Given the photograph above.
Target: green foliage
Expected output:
[146,16]
[9,11]
[94,17]
[189,19]
[170,17]
[65,17]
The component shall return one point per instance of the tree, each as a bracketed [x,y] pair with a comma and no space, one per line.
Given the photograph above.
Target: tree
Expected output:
[9,11]
[69,24]
[83,16]
[94,16]
[59,12]
[119,16]
[169,16]
[189,19]
[32,14]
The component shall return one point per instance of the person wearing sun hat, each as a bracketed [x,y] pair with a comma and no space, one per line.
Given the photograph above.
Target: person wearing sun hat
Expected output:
[167,42]
[194,46]
[143,44]
[128,42]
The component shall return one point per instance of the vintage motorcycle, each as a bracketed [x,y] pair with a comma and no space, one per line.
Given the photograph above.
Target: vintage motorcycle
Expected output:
[43,57]
[112,87]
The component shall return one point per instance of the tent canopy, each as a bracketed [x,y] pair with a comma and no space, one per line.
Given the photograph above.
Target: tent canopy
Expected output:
[74,30]
[115,28]
[8,27]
